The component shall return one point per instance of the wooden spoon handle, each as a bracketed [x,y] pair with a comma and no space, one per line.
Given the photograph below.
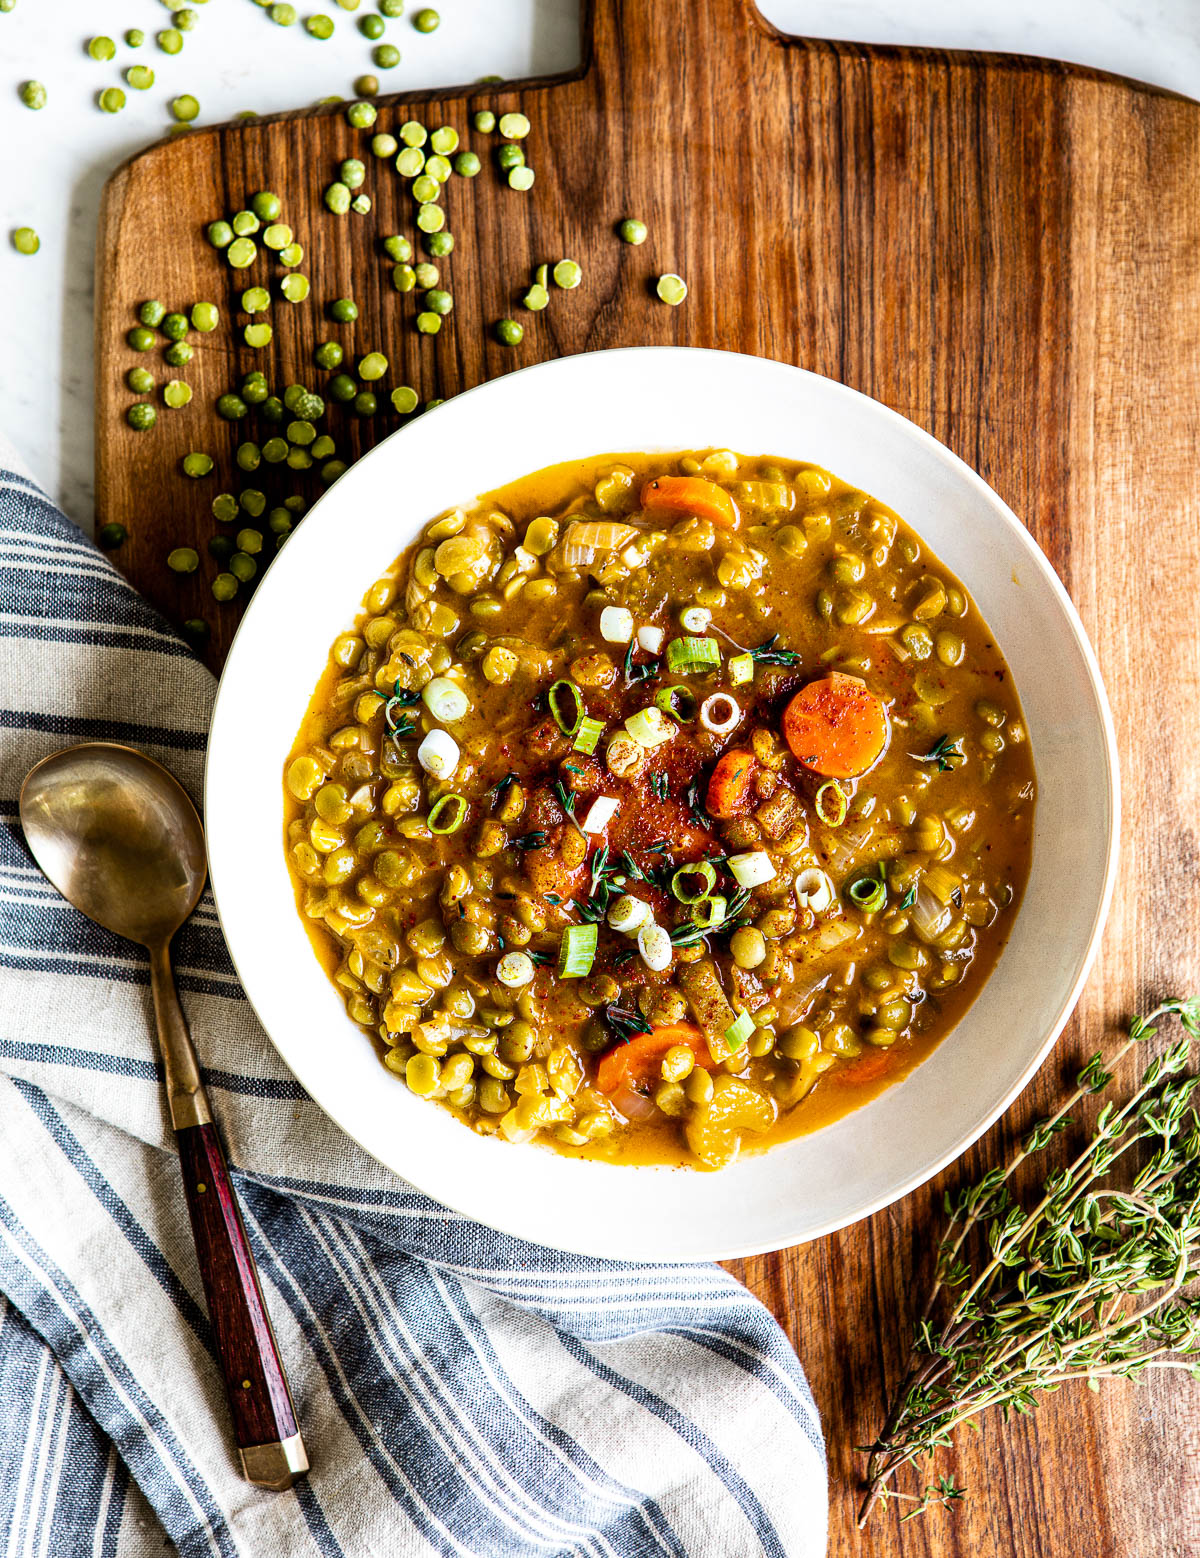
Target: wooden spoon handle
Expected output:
[264,1420]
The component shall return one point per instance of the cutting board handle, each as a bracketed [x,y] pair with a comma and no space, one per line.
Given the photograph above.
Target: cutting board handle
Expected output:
[634,35]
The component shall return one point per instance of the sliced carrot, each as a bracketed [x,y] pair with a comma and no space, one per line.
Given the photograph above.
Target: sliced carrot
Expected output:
[836,726]
[869,1069]
[729,788]
[691,495]
[639,1060]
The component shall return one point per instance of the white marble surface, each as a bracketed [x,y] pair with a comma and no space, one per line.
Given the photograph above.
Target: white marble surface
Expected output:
[54,163]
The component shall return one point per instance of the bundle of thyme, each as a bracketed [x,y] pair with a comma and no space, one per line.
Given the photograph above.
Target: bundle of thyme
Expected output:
[1085,1282]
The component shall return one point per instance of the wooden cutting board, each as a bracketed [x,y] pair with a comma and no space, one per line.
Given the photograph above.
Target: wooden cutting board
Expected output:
[1005,250]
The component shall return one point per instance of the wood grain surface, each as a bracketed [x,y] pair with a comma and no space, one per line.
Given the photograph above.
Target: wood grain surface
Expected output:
[1002,249]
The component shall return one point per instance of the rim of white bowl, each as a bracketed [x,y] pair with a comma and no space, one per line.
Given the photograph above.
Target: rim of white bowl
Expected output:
[1031,553]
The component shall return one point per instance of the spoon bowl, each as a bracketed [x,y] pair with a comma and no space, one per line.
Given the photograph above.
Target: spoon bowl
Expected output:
[119,838]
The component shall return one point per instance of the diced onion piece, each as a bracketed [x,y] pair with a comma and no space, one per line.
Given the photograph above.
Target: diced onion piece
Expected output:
[738,1032]
[566,705]
[514,970]
[628,914]
[741,669]
[445,699]
[654,944]
[650,639]
[930,917]
[438,754]
[693,882]
[600,813]
[650,727]
[720,713]
[751,869]
[584,538]
[577,951]
[616,625]
[589,733]
[814,890]
[693,654]
[694,619]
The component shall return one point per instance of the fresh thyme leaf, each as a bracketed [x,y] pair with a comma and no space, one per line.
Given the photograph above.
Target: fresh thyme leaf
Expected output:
[687,935]
[498,791]
[625,1024]
[909,898]
[1092,1275]
[402,698]
[767,654]
[552,898]
[631,867]
[540,958]
[946,753]
[638,673]
[660,847]
[533,840]
[695,806]
[660,785]
[566,799]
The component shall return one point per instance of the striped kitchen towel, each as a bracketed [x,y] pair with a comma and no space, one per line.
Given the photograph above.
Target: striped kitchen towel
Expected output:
[460,1392]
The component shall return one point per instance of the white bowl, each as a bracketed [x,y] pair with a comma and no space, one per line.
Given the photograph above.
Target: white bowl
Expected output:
[643,399]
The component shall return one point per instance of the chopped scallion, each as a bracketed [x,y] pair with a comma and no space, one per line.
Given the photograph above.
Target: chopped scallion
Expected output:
[691,883]
[577,951]
[678,702]
[868,893]
[741,669]
[738,1032]
[589,733]
[693,654]
[448,814]
[566,705]
[831,803]
[710,913]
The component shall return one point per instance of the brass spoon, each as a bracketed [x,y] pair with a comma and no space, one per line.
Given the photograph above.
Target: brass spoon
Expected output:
[121,841]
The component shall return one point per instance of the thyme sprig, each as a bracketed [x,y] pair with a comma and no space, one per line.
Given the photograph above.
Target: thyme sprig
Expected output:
[1090,1282]
[946,753]
[625,1024]
[395,709]
[767,654]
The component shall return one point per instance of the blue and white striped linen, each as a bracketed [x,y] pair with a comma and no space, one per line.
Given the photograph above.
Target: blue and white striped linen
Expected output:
[461,1392]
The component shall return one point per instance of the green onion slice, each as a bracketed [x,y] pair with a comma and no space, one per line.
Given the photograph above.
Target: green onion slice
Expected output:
[678,702]
[693,654]
[448,814]
[868,893]
[832,803]
[693,882]
[589,733]
[650,727]
[566,704]
[738,1032]
[741,669]
[577,950]
[710,912]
